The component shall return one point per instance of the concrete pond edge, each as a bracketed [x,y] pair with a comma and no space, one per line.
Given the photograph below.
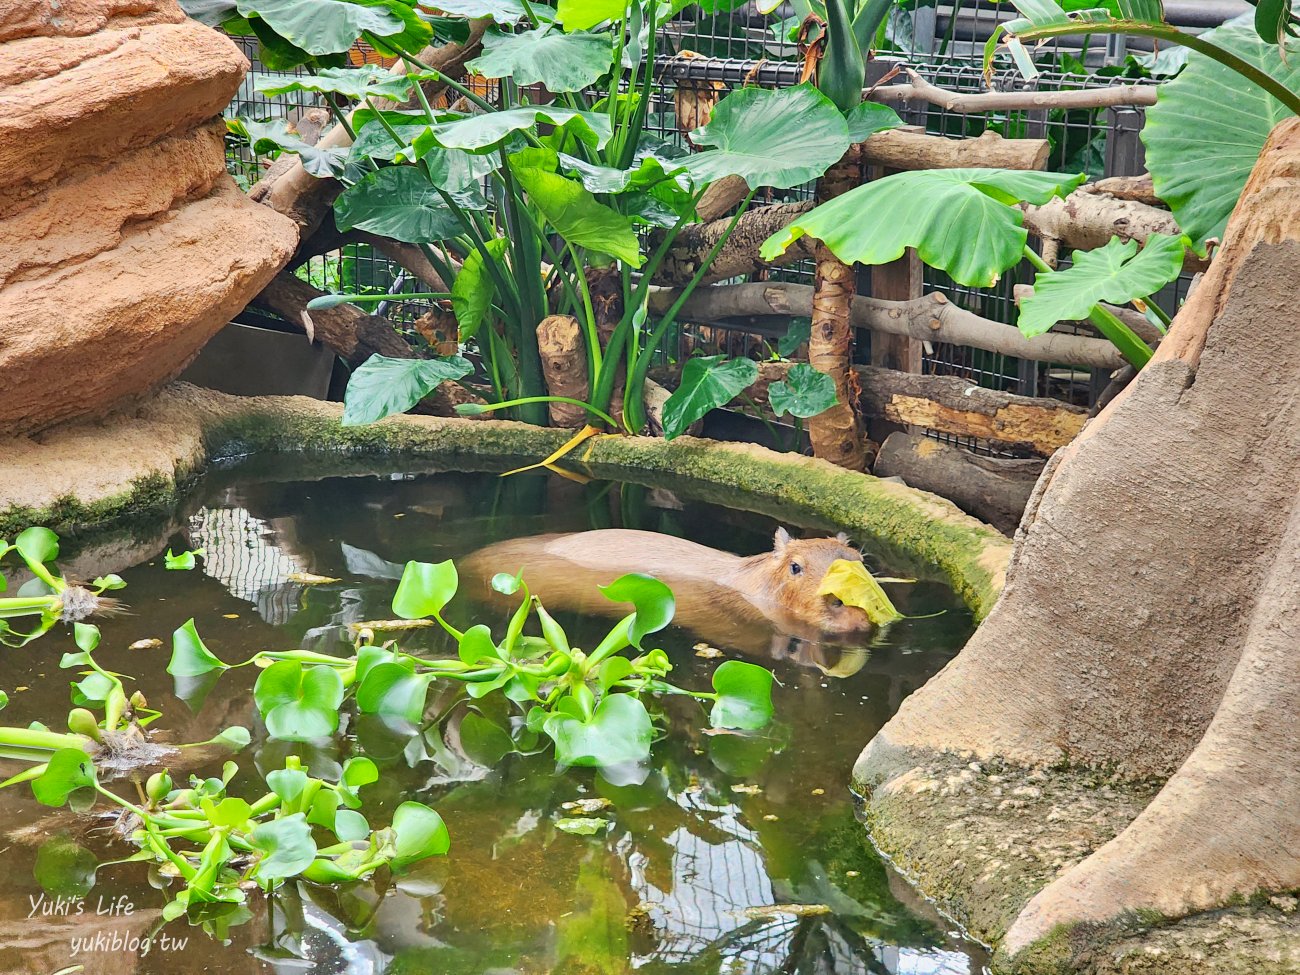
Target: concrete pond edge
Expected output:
[87,477]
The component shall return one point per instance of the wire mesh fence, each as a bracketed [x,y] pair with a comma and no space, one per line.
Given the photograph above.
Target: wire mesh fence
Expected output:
[711,53]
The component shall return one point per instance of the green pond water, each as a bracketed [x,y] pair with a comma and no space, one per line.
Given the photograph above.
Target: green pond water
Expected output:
[719,828]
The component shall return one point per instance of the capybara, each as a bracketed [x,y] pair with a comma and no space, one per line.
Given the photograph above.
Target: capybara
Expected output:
[751,604]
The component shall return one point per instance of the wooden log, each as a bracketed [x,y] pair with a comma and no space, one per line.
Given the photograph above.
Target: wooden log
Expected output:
[349,332]
[920,90]
[1137,188]
[907,149]
[564,366]
[1085,220]
[950,405]
[739,255]
[932,318]
[992,489]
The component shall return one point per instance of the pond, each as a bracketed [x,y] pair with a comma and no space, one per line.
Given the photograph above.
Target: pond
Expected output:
[699,848]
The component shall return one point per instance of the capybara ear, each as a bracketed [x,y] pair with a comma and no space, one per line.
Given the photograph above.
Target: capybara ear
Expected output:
[842,538]
[781,541]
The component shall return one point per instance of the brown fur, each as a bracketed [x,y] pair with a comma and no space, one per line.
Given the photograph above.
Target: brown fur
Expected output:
[730,601]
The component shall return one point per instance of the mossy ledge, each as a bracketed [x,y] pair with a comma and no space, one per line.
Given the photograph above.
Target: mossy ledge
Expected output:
[87,476]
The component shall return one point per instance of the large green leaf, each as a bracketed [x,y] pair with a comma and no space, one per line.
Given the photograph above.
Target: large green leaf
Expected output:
[744,696]
[474,288]
[560,62]
[585,14]
[381,386]
[804,392]
[397,202]
[868,118]
[777,138]
[619,731]
[326,26]
[1116,273]
[578,216]
[275,136]
[707,383]
[355,83]
[483,133]
[500,11]
[1207,128]
[299,703]
[963,221]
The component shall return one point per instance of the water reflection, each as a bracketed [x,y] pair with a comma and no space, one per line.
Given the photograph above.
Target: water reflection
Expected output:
[731,853]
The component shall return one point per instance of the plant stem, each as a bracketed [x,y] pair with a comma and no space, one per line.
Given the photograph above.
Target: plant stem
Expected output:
[547,399]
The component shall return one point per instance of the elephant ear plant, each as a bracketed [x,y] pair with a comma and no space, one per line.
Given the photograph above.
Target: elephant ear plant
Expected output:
[588,702]
[538,202]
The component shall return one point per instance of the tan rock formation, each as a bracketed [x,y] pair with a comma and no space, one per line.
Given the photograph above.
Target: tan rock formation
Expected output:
[124,245]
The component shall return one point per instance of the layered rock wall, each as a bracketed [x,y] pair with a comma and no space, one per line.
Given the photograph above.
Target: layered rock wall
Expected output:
[124,246]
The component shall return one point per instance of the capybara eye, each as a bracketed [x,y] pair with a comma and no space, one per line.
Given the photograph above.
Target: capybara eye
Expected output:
[795,568]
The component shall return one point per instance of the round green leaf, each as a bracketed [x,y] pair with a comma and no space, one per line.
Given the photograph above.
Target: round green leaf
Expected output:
[744,696]
[297,703]
[707,383]
[38,545]
[419,833]
[425,588]
[1207,127]
[779,138]
[64,868]
[654,602]
[286,846]
[804,392]
[397,202]
[560,62]
[619,732]
[350,825]
[1116,273]
[190,658]
[963,221]
[476,644]
[68,770]
[382,387]
[394,692]
[484,742]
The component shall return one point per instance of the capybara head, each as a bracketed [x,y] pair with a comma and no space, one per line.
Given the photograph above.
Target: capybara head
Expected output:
[794,572]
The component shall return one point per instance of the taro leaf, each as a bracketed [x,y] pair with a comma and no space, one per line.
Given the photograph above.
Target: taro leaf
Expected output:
[585,14]
[1116,273]
[381,386]
[583,825]
[68,770]
[804,392]
[649,171]
[397,202]
[868,118]
[477,644]
[190,658]
[799,332]
[963,221]
[654,602]
[849,581]
[425,588]
[744,696]
[482,133]
[419,833]
[560,62]
[286,846]
[707,382]
[618,732]
[1207,127]
[354,83]
[484,742]
[777,138]
[326,26]
[473,289]
[213,13]
[373,139]
[182,562]
[297,703]
[500,11]
[65,868]
[578,216]
[37,545]
[393,691]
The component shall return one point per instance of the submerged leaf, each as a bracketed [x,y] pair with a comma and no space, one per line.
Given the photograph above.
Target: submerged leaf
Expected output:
[583,825]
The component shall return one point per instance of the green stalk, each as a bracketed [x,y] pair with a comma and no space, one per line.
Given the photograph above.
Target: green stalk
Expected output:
[594,355]
[474,409]
[636,379]
[35,738]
